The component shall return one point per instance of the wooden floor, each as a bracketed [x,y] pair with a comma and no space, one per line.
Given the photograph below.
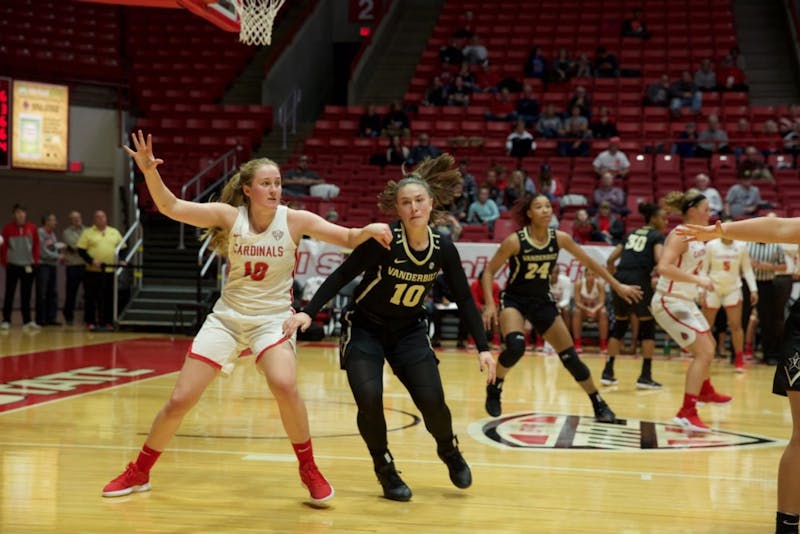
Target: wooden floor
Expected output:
[232,470]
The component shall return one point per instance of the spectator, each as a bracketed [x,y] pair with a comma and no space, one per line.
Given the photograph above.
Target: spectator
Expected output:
[658,93]
[446,224]
[736,58]
[635,26]
[548,185]
[582,228]
[484,210]
[731,77]
[703,184]
[76,267]
[459,206]
[563,67]
[686,147]
[458,93]
[589,295]
[515,188]
[519,142]
[492,183]
[451,54]
[501,107]
[603,126]
[705,78]
[549,124]
[466,76]
[582,101]
[752,165]
[369,125]
[528,106]
[97,246]
[395,122]
[770,140]
[486,79]
[605,64]
[607,226]
[397,153]
[607,193]
[475,53]
[466,31]
[46,273]
[297,182]
[743,199]
[19,254]
[423,149]
[684,93]
[561,289]
[713,140]
[437,93]
[536,66]
[468,181]
[583,66]
[741,137]
[576,136]
[612,160]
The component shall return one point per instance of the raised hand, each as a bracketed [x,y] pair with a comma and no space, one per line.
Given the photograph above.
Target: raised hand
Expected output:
[143,155]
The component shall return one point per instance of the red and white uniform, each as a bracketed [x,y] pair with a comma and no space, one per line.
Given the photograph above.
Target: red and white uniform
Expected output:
[726,264]
[257,295]
[673,303]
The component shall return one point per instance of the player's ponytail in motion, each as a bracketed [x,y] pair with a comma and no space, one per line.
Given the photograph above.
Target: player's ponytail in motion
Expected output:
[233,194]
[437,175]
[680,202]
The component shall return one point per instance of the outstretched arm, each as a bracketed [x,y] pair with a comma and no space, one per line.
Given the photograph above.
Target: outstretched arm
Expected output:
[628,293]
[306,223]
[203,215]
[760,229]
[457,281]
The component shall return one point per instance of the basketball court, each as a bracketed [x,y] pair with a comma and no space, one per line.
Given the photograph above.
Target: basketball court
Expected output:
[77,407]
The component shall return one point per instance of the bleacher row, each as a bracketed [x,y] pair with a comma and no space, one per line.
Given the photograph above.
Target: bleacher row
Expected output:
[70,40]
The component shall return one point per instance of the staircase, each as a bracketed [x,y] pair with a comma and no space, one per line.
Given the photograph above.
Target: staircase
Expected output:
[390,79]
[766,42]
[169,280]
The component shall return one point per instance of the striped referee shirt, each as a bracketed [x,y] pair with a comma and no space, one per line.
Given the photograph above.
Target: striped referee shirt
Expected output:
[766,253]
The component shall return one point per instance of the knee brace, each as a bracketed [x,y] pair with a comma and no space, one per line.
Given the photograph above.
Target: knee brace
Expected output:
[620,327]
[647,330]
[515,348]
[574,364]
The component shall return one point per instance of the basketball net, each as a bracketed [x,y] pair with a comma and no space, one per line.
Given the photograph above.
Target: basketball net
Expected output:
[255,20]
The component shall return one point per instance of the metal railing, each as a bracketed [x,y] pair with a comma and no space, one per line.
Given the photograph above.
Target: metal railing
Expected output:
[226,165]
[287,115]
[133,258]
[205,259]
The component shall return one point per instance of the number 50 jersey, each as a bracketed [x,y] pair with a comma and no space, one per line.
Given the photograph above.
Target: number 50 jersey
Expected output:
[529,270]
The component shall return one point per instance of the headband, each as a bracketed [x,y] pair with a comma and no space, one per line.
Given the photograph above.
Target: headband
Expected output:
[692,202]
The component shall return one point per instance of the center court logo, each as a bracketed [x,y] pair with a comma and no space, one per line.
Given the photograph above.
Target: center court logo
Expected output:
[559,431]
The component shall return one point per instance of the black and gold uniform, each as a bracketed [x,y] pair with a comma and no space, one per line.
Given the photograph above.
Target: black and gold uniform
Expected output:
[387,320]
[635,267]
[528,286]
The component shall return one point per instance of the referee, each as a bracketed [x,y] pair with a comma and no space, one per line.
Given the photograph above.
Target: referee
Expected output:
[768,260]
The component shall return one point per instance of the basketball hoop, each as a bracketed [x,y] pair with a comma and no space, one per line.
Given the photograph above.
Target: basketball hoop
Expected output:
[255,20]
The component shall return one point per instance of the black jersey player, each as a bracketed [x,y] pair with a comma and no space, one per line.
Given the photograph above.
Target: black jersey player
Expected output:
[387,320]
[638,255]
[531,253]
